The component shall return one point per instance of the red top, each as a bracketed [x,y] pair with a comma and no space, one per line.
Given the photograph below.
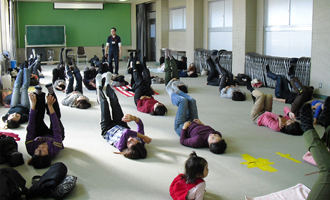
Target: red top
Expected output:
[146,105]
[179,188]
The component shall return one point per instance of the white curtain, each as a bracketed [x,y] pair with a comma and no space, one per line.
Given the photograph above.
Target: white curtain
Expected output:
[12,30]
[4,15]
[8,28]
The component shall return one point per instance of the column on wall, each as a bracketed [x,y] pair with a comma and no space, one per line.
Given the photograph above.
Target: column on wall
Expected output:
[194,27]
[162,26]
[244,32]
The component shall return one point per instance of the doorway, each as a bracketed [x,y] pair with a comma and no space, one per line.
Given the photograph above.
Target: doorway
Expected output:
[151,38]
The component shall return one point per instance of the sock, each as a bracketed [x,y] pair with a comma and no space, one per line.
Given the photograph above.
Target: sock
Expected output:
[325,114]
[306,120]
[248,84]
[98,80]
[267,68]
[49,87]
[38,89]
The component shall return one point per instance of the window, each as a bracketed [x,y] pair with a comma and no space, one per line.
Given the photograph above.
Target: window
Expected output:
[178,19]
[220,24]
[288,28]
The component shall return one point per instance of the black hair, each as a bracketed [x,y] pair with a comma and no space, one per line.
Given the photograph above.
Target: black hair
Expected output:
[293,129]
[114,29]
[159,110]
[238,96]
[83,104]
[194,166]
[136,151]
[40,162]
[218,147]
[183,88]
[12,124]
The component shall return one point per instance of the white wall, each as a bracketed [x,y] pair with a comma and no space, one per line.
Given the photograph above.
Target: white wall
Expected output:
[320,72]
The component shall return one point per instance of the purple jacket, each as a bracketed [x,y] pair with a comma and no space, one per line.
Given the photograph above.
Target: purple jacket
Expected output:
[54,142]
[196,135]
[121,144]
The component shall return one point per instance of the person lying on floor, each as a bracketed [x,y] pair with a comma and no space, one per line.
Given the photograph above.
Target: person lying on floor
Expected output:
[233,92]
[114,126]
[261,114]
[75,98]
[192,132]
[301,93]
[318,148]
[43,143]
[58,78]
[221,77]
[143,98]
[20,104]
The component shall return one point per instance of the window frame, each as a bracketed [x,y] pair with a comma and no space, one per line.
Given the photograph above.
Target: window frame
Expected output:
[183,15]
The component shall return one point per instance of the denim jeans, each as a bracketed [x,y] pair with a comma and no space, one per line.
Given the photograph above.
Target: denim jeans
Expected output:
[76,73]
[24,75]
[281,83]
[187,110]
[107,122]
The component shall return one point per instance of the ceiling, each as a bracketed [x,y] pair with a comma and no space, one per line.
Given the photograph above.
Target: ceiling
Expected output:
[101,1]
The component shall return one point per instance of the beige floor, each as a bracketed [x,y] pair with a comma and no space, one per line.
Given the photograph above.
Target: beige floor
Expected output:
[105,175]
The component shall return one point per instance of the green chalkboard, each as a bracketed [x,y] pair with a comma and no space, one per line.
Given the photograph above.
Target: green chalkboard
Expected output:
[45,35]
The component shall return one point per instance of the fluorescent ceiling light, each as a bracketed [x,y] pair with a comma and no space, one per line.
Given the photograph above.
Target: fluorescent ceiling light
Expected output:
[78,5]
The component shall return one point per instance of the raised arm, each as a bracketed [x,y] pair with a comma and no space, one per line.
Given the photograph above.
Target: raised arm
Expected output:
[57,134]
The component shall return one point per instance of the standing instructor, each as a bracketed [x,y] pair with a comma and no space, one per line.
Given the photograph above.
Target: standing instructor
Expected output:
[113,49]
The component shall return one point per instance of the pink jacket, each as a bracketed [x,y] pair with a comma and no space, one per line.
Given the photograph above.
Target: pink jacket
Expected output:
[270,119]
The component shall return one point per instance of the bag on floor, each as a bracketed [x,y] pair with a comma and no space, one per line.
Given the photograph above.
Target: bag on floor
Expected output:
[12,184]
[64,188]
[44,185]
[241,79]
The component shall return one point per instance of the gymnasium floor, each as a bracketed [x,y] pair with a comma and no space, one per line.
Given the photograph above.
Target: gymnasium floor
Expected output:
[105,175]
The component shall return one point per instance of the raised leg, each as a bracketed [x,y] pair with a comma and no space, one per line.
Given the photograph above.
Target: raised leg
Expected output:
[181,114]
[258,106]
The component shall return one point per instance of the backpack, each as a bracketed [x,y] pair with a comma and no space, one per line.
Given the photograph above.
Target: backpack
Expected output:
[12,184]
[241,79]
